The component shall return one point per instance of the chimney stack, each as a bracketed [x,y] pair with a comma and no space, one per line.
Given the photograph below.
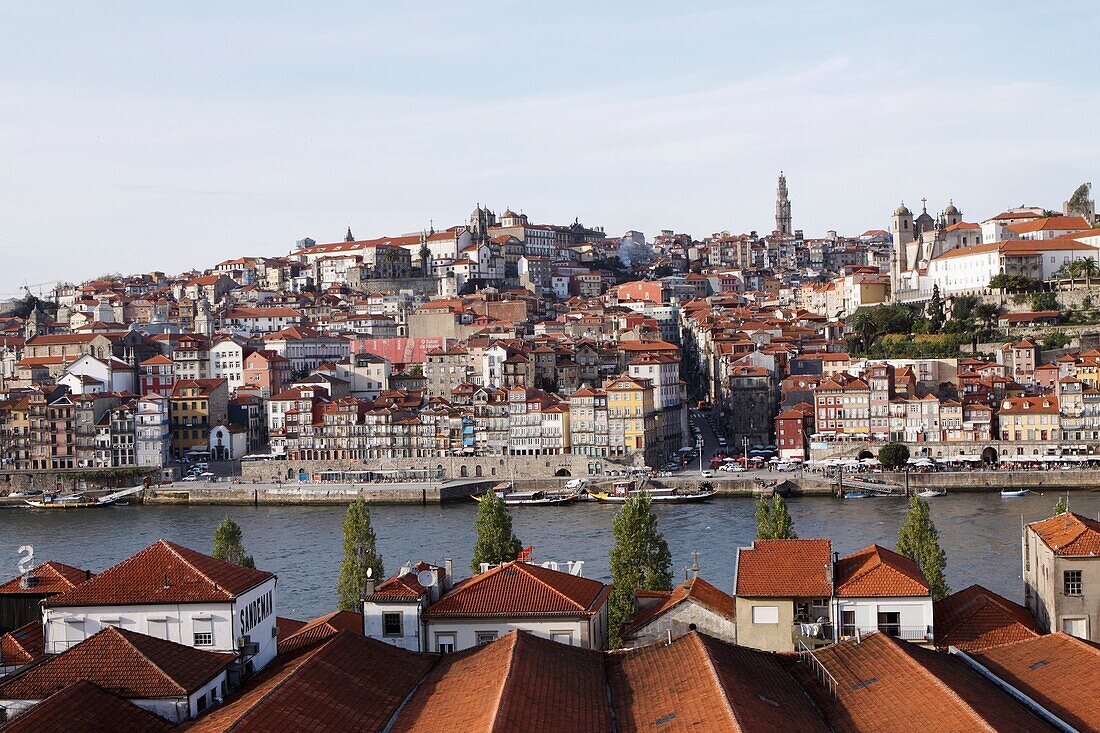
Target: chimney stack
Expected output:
[448,570]
[368,591]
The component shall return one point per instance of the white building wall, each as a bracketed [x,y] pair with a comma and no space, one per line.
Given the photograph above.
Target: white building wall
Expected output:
[411,637]
[914,612]
[586,633]
[66,627]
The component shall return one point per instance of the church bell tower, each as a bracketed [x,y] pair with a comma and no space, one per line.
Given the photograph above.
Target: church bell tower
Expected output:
[782,208]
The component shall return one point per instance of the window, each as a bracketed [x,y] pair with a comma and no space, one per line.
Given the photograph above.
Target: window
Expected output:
[801,611]
[765,614]
[847,623]
[391,624]
[201,702]
[158,627]
[445,643]
[1071,582]
[889,622]
[562,637]
[203,629]
[1078,627]
[484,637]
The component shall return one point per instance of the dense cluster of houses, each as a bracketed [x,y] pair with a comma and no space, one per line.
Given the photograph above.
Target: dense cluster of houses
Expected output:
[172,639]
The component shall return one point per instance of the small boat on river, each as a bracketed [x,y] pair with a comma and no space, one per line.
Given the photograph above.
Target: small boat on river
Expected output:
[623,490]
[527,498]
[858,494]
[930,493]
[1010,493]
[55,500]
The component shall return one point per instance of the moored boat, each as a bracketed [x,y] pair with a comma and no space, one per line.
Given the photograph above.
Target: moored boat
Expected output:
[930,493]
[858,494]
[69,501]
[623,490]
[1009,493]
[526,498]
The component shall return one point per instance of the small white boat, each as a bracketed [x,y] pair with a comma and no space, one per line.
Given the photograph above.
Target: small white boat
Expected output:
[931,493]
[1008,493]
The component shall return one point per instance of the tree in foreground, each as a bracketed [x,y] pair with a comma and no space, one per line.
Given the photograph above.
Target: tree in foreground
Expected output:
[496,542]
[640,559]
[773,521]
[360,554]
[228,544]
[1062,505]
[893,455]
[919,541]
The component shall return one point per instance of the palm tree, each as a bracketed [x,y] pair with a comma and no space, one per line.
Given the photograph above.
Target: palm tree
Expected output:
[1089,268]
[865,327]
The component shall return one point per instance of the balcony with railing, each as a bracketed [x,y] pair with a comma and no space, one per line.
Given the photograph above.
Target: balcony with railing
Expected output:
[919,634]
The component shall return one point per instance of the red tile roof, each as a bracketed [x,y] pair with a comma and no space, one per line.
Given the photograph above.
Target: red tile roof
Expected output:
[83,707]
[23,645]
[877,572]
[784,568]
[1053,670]
[130,664]
[321,628]
[1069,534]
[163,572]
[697,683]
[53,577]
[884,685]
[977,618]
[348,683]
[697,590]
[520,682]
[521,589]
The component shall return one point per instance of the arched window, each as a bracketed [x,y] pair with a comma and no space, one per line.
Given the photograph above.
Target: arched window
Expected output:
[464,471]
[477,470]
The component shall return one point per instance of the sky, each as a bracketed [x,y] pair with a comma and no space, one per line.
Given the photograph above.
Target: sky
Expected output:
[167,136]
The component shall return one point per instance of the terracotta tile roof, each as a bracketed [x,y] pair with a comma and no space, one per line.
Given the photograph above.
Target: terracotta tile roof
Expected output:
[784,568]
[517,683]
[697,683]
[404,586]
[521,589]
[977,618]
[163,572]
[287,626]
[130,664]
[885,685]
[321,628]
[53,577]
[23,645]
[348,683]
[696,589]
[877,572]
[83,707]
[1053,671]
[1069,534]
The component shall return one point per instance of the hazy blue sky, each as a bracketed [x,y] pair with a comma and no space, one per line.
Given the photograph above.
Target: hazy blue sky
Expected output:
[154,135]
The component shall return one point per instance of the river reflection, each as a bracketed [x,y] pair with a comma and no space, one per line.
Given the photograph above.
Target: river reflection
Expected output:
[303,545]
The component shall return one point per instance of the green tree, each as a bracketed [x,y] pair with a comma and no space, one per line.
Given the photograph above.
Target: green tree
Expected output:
[773,521]
[360,554]
[1044,302]
[496,543]
[640,559]
[962,306]
[893,455]
[919,541]
[986,314]
[228,544]
[935,310]
[1061,506]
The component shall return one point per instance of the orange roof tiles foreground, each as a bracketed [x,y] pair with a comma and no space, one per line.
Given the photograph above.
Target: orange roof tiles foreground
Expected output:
[977,618]
[1054,671]
[127,663]
[784,568]
[85,707]
[885,685]
[163,572]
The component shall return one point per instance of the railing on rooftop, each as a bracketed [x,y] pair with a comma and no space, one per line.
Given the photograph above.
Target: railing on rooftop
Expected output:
[805,654]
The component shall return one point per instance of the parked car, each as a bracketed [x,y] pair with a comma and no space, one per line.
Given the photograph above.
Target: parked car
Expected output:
[733,468]
[707,473]
[190,477]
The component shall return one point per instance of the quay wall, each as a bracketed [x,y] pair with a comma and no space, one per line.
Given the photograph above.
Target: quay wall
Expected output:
[466,467]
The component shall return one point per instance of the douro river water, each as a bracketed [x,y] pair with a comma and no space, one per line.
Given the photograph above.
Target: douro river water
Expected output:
[303,545]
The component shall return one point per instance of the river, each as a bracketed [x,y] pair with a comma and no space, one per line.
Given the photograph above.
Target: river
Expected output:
[303,545]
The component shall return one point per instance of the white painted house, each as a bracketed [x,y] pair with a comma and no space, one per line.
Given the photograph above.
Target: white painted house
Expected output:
[114,375]
[876,589]
[176,682]
[171,592]
[561,606]
[227,362]
[393,611]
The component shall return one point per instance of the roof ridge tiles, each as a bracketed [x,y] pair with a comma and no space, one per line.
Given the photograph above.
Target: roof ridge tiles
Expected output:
[507,680]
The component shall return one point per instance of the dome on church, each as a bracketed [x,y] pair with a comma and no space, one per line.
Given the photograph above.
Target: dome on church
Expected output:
[509,214]
[903,211]
[951,208]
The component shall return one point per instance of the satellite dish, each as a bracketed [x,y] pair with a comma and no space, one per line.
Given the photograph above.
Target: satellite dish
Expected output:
[426,578]
[370,573]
